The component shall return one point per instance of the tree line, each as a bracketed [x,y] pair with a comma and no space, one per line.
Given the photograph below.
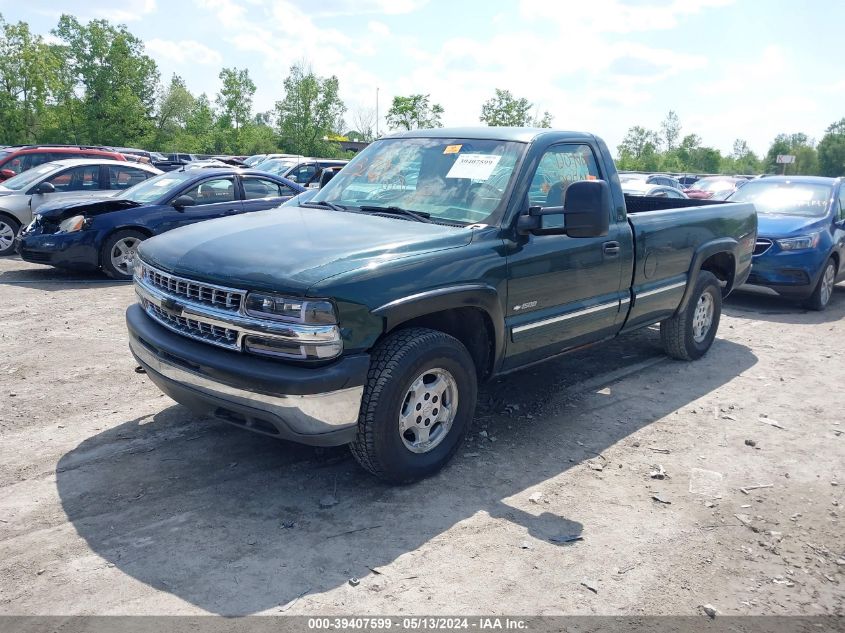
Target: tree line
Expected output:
[666,150]
[93,83]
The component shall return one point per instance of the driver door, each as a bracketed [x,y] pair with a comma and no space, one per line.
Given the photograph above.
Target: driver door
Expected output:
[563,291]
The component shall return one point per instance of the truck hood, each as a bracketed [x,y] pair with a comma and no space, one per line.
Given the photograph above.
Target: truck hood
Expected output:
[289,249]
[58,211]
[770,225]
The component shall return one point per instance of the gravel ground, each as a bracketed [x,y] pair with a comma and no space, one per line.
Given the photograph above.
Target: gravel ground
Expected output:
[115,500]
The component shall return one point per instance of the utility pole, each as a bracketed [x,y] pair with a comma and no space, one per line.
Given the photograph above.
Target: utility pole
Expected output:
[376,111]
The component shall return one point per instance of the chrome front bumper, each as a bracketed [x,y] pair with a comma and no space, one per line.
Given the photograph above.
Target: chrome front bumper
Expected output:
[324,419]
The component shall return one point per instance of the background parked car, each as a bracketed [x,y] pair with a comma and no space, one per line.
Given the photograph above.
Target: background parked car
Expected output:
[104,233]
[306,172]
[640,188]
[652,179]
[19,158]
[800,250]
[181,158]
[59,182]
[253,160]
[716,187]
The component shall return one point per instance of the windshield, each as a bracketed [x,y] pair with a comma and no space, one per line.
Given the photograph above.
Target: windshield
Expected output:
[713,184]
[458,180]
[786,198]
[30,177]
[156,187]
[275,166]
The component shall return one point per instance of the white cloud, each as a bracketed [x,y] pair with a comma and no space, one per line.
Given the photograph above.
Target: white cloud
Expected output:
[334,8]
[137,11]
[183,51]
[378,28]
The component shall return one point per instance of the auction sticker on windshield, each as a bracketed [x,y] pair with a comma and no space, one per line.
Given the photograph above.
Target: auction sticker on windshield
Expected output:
[474,166]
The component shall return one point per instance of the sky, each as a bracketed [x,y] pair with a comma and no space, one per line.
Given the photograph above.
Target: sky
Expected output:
[730,69]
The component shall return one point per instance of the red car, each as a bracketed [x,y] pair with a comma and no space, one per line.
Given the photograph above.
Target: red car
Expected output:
[14,160]
[718,187]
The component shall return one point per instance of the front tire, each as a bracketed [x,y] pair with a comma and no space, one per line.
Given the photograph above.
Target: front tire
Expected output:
[823,291]
[9,228]
[690,333]
[118,253]
[418,403]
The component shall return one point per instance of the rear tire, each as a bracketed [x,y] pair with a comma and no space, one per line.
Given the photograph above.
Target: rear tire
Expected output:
[9,228]
[418,403]
[115,254]
[823,291]
[690,333]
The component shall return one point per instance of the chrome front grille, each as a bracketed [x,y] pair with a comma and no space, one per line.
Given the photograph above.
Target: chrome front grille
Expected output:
[197,293]
[762,245]
[193,328]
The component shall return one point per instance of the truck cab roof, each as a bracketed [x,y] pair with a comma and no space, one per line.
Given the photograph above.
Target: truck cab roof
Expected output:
[517,134]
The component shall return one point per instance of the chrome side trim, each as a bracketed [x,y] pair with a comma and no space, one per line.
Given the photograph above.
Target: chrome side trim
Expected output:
[306,414]
[429,294]
[680,284]
[565,317]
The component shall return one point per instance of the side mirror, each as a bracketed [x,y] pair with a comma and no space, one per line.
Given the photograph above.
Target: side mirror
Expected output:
[292,177]
[45,187]
[181,202]
[585,213]
[8,173]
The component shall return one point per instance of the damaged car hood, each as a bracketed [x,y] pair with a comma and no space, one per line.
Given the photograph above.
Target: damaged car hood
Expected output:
[88,207]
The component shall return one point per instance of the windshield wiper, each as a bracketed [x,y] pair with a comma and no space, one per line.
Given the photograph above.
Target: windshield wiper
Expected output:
[419,216]
[324,203]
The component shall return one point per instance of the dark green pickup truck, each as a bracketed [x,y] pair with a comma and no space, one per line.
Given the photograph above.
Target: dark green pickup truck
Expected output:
[369,311]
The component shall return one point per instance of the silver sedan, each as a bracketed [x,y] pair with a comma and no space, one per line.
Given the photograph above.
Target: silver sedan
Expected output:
[60,181]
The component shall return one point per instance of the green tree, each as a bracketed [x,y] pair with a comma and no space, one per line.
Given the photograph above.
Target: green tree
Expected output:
[310,110]
[638,150]
[114,81]
[670,131]
[174,108]
[832,150]
[199,127]
[505,110]
[799,145]
[741,160]
[413,112]
[27,66]
[234,101]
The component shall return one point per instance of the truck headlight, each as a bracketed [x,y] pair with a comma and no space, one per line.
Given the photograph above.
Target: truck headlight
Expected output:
[71,225]
[270,306]
[801,243]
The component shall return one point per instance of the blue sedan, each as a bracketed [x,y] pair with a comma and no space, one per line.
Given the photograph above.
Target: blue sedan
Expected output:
[800,250]
[105,233]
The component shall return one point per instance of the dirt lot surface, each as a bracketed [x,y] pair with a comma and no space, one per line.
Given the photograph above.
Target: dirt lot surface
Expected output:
[115,500]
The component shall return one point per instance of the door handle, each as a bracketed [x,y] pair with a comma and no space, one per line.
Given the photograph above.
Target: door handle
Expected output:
[611,248]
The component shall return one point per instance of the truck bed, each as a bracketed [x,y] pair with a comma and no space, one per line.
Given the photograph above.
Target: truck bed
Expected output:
[639,204]
[667,235]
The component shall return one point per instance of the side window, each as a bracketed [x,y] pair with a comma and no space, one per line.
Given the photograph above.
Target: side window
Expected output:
[83,178]
[124,177]
[257,188]
[37,158]
[559,167]
[212,191]
[303,174]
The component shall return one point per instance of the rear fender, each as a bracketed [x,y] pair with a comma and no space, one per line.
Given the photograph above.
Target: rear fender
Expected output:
[702,254]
